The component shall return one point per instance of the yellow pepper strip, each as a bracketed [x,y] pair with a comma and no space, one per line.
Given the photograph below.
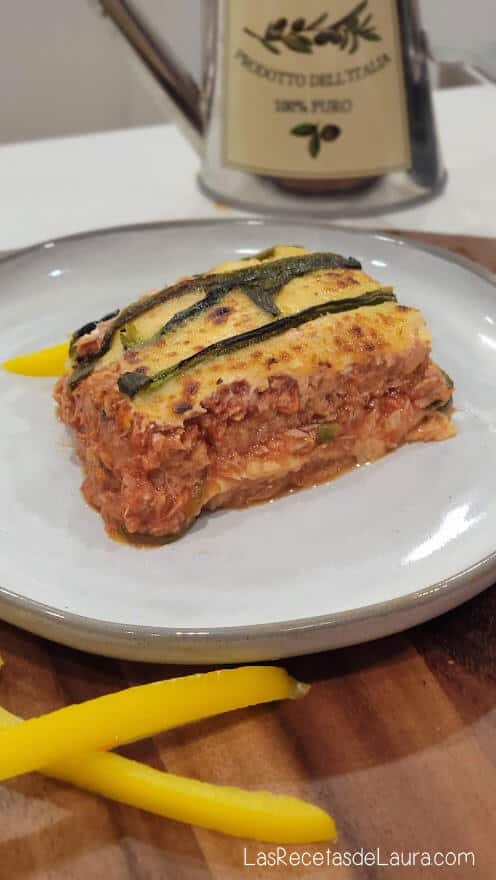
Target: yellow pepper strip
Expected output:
[258,815]
[46,362]
[138,712]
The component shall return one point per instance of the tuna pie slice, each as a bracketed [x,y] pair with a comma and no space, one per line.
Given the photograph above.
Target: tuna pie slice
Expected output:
[260,376]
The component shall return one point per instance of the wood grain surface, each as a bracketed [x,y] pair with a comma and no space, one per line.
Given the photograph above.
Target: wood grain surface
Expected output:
[397,739]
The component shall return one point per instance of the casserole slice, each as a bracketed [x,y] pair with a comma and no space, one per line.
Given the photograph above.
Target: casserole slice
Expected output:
[231,387]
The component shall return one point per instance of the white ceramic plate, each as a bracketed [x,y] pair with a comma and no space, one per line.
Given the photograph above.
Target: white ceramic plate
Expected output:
[380,549]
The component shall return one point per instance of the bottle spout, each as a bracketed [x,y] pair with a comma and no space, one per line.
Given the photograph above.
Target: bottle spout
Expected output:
[168,71]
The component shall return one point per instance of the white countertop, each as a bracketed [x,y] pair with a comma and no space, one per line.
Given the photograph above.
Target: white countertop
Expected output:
[58,187]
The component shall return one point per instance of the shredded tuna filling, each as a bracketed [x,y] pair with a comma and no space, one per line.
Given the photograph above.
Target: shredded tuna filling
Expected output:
[247,445]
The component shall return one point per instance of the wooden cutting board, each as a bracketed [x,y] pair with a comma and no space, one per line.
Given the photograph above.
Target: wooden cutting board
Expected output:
[397,739]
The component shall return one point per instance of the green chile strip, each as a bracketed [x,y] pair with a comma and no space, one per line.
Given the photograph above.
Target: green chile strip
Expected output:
[442,407]
[262,282]
[132,311]
[88,328]
[134,382]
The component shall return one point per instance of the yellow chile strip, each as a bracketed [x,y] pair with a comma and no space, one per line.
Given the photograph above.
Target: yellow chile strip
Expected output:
[252,814]
[46,362]
[136,713]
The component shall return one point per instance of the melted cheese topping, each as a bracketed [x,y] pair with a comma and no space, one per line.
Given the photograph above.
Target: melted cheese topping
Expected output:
[337,341]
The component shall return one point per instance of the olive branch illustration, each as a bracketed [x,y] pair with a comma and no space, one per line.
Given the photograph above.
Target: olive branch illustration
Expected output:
[302,36]
[316,135]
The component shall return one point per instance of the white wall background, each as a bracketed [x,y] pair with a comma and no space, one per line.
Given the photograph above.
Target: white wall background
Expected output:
[461,28]
[64,69]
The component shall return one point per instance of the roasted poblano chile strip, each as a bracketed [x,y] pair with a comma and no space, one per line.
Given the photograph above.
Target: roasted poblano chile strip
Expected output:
[88,328]
[260,283]
[258,295]
[327,432]
[441,407]
[124,316]
[278,272]
[130,336]
[449,380]
[447,405]
[133,382]
[80,373]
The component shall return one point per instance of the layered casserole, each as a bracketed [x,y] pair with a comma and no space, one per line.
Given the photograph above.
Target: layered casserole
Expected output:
[258,377]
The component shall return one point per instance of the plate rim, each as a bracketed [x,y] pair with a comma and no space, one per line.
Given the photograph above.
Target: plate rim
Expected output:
[206,637]
[85,632]
[261,220]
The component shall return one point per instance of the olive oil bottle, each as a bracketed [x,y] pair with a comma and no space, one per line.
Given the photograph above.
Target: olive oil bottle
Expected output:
[322,106]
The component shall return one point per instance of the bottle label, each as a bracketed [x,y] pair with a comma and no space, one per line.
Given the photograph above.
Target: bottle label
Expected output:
[314,89]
